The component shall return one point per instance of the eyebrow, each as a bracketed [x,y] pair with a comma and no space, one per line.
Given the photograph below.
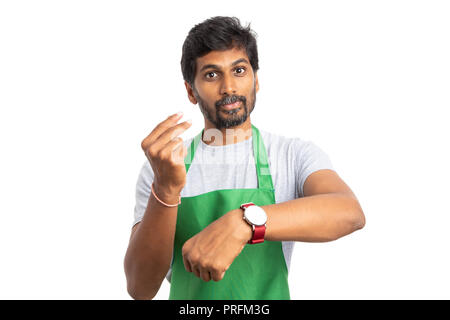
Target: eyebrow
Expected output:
[215,66]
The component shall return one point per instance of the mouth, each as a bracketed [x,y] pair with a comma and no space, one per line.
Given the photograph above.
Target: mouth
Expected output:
[231,106]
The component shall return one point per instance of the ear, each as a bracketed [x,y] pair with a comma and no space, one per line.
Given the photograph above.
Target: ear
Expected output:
[190,92]
[256,82]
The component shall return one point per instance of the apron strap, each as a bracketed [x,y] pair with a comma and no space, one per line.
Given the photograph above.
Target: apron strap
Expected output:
[191,150]
[261,161]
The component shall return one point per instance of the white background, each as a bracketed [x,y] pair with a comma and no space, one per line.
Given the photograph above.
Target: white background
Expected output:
[83,82]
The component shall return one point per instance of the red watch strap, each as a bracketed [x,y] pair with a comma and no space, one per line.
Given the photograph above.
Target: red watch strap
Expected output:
[258,231]
[246,205]
[258,234]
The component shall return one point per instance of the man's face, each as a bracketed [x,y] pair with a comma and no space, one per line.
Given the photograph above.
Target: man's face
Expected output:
[225,87]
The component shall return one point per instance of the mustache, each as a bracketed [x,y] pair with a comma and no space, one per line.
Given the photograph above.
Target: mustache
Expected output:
[230,100]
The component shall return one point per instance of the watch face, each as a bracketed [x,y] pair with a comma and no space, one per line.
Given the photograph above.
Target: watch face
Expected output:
[255,215]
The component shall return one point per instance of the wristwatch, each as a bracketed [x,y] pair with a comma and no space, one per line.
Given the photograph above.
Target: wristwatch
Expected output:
[257,218]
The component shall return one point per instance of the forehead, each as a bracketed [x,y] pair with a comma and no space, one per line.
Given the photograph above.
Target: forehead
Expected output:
[223,58]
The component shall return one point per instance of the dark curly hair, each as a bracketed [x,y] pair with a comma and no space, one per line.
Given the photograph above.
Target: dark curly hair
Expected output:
[217,33]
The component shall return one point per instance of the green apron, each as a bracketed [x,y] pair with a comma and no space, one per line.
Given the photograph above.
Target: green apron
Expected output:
[259,272]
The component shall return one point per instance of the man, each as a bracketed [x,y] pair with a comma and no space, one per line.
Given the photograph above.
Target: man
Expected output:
[218,214]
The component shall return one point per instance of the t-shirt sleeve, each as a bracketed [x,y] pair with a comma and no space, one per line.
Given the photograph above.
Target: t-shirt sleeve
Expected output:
[309,158]
[143,189]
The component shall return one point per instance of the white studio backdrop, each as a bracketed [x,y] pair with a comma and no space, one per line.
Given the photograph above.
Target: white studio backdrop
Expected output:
[83,82]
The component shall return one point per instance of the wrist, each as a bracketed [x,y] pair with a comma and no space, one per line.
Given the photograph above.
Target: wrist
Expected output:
[244,231]
[165,194]
[256,217]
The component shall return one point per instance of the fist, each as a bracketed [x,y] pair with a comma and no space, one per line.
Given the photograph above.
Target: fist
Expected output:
[165,151]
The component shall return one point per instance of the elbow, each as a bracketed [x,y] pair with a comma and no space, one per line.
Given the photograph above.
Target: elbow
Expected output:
[357,220]
[349,219]
[360,221]
[355,215]
[354,220]
[138,294]
[352,216]
[135,287]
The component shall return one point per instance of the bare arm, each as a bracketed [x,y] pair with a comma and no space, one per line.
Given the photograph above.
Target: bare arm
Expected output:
[329,210]
[149,252]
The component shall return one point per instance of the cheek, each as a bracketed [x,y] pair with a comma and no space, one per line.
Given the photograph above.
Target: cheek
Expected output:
[251,90]
[198,89]
[250,84]
[206,94]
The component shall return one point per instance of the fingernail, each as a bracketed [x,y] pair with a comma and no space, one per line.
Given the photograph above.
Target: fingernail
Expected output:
[189,121]
[180,113]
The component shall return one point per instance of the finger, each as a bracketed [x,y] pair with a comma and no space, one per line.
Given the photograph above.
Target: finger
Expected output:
[217,275]
[187,265]
[205,275]
[171,133]
[172,150]
[179,153]
[161,127]
[196,271]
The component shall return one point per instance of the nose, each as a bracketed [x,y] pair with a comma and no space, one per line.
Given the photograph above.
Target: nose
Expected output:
[228,86]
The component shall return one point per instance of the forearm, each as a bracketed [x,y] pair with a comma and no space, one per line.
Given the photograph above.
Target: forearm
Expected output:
[318,218]
[149,253]
[323,217]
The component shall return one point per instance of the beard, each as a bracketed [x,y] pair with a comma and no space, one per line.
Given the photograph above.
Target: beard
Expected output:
[233,117]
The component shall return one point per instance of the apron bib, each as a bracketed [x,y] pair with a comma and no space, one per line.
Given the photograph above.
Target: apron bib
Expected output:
[259,272]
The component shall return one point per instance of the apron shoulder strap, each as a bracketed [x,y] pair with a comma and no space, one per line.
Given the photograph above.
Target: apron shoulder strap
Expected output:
[261,161]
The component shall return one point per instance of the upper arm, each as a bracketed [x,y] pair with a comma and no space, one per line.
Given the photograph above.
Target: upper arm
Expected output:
[325,181]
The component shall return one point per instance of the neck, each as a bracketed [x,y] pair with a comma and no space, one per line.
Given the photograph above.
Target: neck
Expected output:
[220,137]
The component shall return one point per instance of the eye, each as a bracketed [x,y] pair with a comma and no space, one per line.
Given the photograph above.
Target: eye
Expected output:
[210,74]
[240,70]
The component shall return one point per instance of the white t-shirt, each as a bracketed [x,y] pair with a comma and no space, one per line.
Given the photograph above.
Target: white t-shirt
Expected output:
[232,166]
